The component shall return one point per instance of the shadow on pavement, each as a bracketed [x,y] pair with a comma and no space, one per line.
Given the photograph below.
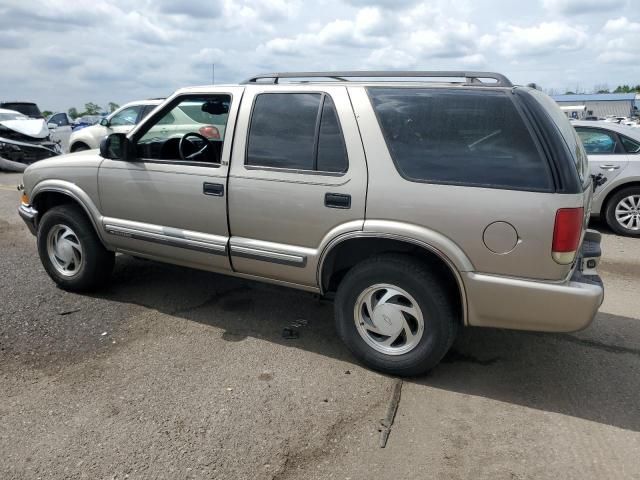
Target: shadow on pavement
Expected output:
[572,374]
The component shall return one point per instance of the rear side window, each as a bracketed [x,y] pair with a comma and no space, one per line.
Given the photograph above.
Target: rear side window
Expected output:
[631,146]
[459,137]
[296,131]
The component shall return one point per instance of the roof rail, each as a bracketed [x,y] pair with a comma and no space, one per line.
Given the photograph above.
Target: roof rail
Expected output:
[470,78]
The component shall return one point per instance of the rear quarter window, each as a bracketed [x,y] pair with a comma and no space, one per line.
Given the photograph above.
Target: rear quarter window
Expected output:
[462,137]
[573,142]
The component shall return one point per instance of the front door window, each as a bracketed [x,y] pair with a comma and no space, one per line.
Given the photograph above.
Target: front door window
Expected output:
[192,129]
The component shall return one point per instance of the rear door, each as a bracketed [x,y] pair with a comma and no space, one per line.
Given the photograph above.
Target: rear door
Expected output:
[298,178]
[607,154]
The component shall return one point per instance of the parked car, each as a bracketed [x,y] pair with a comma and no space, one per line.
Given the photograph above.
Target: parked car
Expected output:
[59,130]
[418,203]
[86,121]
[614,155]
[24,140]
[29,109]
[60,126]
[120,121]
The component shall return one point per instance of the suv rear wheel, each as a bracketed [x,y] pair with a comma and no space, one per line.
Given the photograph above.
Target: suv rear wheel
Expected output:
[395,315]
[70,250]
[623,212]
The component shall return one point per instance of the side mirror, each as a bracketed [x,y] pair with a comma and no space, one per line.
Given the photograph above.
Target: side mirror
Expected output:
[104,122]
[52,126]
[117,147]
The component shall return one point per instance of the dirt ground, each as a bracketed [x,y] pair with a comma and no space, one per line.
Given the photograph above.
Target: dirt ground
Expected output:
[175,373]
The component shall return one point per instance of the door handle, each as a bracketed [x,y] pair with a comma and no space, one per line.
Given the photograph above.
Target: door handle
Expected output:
[213,189]
[337,200]
[609,166]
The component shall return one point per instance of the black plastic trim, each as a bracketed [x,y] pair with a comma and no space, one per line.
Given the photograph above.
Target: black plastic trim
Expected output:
[337,200]
[213,189]
[551,138]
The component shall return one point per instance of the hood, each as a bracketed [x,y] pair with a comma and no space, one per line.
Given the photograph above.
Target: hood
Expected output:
[85,159]
[32,127]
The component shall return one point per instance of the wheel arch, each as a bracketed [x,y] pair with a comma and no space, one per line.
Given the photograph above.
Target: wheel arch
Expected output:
[348,250]
[614,190]
[76,144]
[600,203]
[50,193]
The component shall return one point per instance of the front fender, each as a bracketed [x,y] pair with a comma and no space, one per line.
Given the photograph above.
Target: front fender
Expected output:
[77,194]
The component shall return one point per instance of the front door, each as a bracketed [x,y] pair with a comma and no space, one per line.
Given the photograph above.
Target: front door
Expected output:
[170,202]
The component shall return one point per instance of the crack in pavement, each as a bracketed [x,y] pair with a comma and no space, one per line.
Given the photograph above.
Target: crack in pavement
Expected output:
[598,345]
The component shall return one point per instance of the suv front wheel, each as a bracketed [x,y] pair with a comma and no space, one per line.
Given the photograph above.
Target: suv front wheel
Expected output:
[623,212]
[71,251]
[395,315]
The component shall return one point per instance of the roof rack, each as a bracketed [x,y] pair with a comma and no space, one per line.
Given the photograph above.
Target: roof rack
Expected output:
[470,78]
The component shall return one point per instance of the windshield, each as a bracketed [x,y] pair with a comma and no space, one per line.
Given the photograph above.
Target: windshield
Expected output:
[12,116]
[29,109]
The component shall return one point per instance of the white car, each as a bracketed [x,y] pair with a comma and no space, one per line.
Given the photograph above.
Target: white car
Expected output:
[60,125]
[614,158]
[120,121]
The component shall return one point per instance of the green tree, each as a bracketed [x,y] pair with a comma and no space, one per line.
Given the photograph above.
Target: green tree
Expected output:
[73,113]
[47,114]
[113,107]
[91,108]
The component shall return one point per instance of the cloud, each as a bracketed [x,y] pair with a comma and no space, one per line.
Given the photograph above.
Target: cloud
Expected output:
[119,50]
[382,3]
[621,25]
[541,39]
[580,7]
[191,8]
[618,42]
[11,40]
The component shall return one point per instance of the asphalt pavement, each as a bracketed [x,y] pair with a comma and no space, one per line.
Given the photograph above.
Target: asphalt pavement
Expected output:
[176,373]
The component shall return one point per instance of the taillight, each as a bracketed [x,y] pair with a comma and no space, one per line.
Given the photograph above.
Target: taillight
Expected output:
[566,234]
[209,131]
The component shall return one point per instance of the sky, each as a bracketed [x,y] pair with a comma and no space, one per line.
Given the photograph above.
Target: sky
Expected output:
[64,54]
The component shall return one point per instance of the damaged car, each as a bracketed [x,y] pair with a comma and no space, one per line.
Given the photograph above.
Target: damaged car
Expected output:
[24,140]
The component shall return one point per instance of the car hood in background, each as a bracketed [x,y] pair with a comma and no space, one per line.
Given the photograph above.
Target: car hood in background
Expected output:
[36,128]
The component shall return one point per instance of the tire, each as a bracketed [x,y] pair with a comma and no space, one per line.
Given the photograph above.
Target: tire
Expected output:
[620,201]
[65,235]
[379,278]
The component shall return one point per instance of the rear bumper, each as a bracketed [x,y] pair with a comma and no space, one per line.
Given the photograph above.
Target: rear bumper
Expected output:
[30,217]
[504,302]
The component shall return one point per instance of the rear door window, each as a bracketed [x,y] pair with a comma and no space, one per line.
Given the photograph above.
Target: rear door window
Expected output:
[463,137]
[297,131]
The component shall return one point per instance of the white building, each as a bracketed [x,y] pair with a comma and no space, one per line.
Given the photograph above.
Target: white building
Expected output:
[600,104]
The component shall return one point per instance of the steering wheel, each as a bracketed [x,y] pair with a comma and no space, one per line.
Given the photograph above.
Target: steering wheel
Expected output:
[183,142]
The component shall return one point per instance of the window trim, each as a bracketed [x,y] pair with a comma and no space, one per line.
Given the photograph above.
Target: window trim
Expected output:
[528,126]
[619,148]
[174,102]
[316,140]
